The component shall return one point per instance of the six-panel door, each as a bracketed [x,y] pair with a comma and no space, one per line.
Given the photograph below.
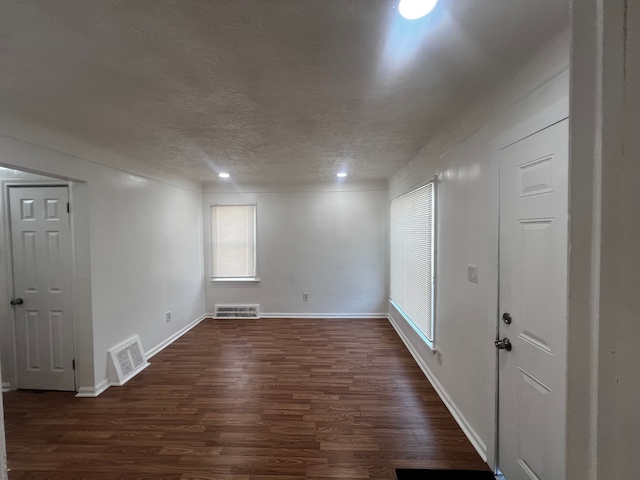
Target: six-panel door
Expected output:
[42,276]
[533,290]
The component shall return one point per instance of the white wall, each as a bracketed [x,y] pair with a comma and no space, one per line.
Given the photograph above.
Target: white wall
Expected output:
[329,243]
[467,196]
[604,264]
[3,445]
[138,250]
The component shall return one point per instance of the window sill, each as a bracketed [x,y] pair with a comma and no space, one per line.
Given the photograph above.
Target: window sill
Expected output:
[235,281]
[429,343]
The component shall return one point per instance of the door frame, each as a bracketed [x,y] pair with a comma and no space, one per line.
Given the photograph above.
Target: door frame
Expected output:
[11,365]
[556,113]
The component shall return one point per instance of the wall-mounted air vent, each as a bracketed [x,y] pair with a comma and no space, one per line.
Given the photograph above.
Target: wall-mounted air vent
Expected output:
[126,360]
[237,311]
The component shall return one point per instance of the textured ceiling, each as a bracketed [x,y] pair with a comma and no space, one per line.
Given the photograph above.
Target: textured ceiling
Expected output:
[285,90]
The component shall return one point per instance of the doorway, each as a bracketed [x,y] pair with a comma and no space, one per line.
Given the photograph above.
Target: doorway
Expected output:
[42,274]
[532,332]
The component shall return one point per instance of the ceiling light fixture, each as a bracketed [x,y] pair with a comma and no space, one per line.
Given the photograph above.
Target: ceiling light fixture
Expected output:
[341,174]
[223,175]
[414,9]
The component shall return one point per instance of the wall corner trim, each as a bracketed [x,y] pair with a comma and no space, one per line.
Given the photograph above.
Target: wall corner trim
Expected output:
[466,427]
[91,392]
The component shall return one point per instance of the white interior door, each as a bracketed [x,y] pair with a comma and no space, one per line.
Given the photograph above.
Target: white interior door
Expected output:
[42,275]
[533,292]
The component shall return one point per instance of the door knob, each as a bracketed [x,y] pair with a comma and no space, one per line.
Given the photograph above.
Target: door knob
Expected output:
[504,344]
[506,318]
[17,301]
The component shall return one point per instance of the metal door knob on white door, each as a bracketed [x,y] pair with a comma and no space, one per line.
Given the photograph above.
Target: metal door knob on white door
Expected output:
[504,344]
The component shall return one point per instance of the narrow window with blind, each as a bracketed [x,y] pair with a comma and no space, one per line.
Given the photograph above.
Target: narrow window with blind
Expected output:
[233,240]
[412,257]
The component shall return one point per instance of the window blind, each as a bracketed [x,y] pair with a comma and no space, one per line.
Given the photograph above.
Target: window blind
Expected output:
[411,249]
[233,241]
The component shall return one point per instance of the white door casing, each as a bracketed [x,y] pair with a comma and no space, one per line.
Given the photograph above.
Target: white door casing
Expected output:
[42,278]
[533,290]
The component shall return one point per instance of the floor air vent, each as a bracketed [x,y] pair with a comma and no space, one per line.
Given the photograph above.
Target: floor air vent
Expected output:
[237,311]
[126,360]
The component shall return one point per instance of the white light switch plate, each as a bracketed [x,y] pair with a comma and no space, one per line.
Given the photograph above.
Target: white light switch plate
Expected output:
[472,273]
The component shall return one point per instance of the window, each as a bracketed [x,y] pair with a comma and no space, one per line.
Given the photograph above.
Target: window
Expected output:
[412,247]
[233,240]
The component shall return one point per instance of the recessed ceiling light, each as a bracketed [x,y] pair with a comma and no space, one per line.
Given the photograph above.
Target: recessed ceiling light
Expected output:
[414,9]
[223,175]
[341,174]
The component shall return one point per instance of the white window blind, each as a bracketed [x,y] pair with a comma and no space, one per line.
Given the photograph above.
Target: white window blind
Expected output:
[412,246]
[233,238]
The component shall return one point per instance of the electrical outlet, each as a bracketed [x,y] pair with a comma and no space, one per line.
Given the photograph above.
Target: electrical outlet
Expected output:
[438,355]
[472,273]
[168,317]
[305,297]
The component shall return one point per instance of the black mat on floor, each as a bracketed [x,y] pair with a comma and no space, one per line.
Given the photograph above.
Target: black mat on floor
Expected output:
[416,474]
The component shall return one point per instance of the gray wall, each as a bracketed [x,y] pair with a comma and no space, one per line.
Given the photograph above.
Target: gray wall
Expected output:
[603,417]
[3,448]
[467,233]
[330,243]
[138,251]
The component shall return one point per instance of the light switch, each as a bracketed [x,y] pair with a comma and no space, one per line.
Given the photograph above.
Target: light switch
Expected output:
[472,273]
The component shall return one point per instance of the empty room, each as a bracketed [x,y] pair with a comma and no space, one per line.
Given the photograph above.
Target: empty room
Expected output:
[350,239]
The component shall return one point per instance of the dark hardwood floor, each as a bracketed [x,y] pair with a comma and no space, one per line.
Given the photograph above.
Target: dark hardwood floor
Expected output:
[273,399]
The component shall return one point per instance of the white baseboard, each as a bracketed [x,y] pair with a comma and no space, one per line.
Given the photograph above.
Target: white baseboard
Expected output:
[323,315]
[466,427]
[164,344]
[92,392]
[6,387]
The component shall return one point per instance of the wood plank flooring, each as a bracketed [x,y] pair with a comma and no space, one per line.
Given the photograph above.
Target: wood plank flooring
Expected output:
[270,399]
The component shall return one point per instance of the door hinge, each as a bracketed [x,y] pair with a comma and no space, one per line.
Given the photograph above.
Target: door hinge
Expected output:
[68,207]
[73,363]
